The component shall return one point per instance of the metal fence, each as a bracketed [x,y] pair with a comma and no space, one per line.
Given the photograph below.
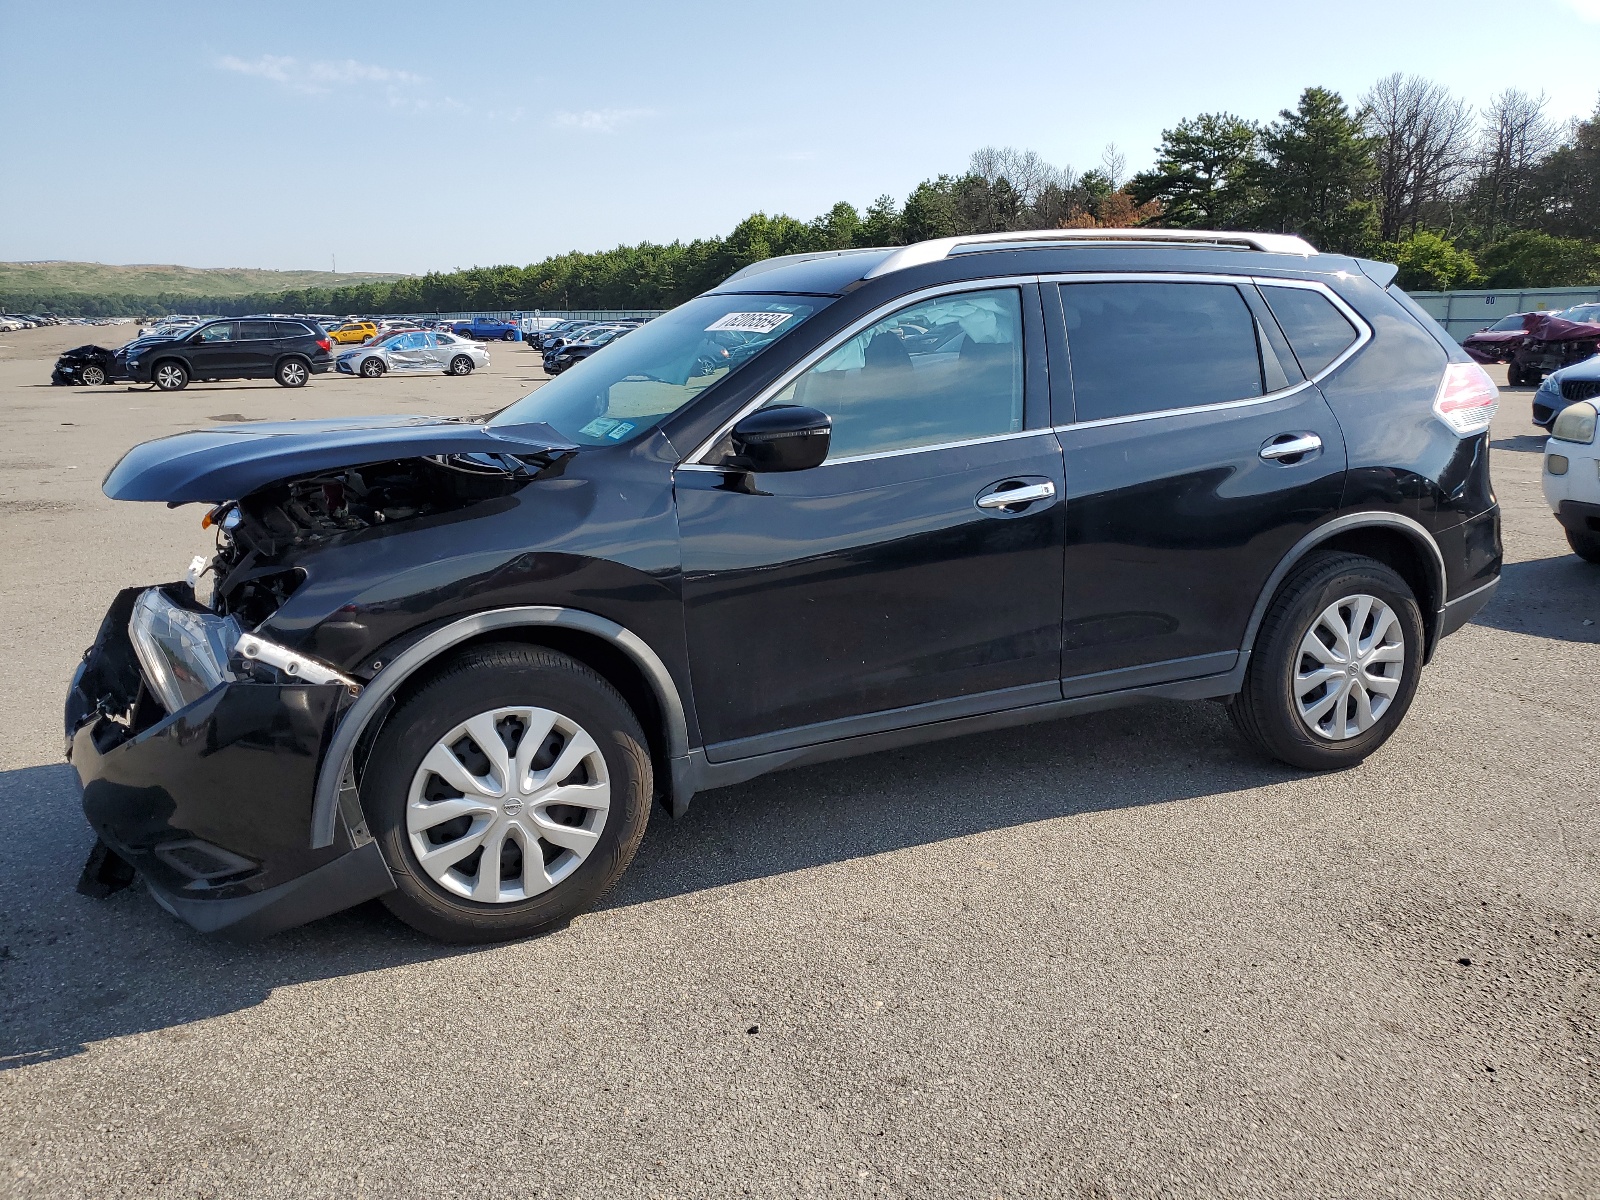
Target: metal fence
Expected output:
[1464,313]
[516,314]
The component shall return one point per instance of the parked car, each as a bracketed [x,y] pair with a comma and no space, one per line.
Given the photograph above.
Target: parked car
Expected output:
[354,332]
[1554,341]
[448,662]
[559,358]
[486,329]
[414,350]
[1498,342]
[91,365]
[247,348]
[534,325]
[1581,381]
[1572,474]
[549,338]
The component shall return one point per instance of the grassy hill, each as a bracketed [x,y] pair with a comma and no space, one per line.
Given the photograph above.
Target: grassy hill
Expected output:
[102,279]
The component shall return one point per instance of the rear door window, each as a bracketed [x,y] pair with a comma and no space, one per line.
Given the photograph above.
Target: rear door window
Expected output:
[257,331]
[1143,347]
[1316,329]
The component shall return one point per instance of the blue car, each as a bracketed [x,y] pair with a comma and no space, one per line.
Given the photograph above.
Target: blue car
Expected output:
[1580,381]
[486,329]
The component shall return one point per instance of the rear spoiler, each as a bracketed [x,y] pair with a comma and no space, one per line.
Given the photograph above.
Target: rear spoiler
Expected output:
[1381,273]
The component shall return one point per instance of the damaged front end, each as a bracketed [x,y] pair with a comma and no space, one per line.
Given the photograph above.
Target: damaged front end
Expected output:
[197,746]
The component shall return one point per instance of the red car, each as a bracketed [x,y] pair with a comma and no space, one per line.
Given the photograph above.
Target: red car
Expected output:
[1553,341]
[1498,342]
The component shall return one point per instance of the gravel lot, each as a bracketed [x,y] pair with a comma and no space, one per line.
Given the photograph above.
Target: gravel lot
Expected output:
[1115,956]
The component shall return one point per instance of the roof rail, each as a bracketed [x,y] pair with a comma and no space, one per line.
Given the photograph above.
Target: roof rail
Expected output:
[920,253]
[784,260]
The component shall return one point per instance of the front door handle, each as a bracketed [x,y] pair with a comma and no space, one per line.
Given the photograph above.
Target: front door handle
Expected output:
[1290,445]
[1026,494]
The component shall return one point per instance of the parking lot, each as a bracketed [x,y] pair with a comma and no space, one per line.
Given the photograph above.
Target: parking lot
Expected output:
[1115,956]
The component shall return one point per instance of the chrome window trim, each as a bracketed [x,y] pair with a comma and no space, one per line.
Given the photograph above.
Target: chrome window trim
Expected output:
[855,458]
[1363,336]
[888,308]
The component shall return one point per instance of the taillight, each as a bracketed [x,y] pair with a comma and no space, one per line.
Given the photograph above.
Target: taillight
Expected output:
[324,344]
[1467,399]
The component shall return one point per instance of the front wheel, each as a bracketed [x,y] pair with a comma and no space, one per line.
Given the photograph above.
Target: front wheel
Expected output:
[92,375]
[461,365]
[508,336]
[293,373]
[371,368]
[171,376]
[1513,375]
[508,794]
[1335,666]
[1585,545]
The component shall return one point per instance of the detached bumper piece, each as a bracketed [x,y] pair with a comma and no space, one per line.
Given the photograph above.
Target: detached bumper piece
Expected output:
[208,799]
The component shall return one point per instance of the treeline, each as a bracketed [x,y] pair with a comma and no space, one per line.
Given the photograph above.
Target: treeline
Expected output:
[1505,198]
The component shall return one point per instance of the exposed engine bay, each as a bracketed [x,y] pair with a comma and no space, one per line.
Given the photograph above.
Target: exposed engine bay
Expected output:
[255,533]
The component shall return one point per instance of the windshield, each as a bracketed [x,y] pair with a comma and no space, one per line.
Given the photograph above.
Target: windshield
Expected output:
[1507,324]
[1583,312]
[660,367]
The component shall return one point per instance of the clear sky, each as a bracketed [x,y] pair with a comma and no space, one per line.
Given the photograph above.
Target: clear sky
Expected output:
[410,137]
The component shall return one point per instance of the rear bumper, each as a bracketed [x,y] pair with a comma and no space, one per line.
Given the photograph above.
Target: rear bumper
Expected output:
[212,804]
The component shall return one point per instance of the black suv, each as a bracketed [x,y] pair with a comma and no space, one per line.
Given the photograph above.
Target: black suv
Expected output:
[280,348]
[943,488]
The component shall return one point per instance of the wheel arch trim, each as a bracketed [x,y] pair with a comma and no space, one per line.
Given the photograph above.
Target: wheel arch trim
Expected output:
[335,786]
[1413,530]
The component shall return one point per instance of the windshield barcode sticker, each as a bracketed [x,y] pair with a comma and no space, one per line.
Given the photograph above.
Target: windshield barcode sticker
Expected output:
[749,322]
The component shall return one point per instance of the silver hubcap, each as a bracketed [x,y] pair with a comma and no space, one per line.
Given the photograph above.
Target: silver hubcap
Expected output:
[293,373]
[169,377]
[508,804]
[1350,665]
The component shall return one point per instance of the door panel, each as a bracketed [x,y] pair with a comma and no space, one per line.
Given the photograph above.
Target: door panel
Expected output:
[868,585]
[1174,523]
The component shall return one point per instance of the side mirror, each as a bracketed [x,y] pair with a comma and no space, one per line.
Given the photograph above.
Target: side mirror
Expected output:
[787,437]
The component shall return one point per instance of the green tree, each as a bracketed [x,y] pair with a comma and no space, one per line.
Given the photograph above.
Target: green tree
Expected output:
[1316,174]
[1430,263]
[1204,172]
[1529,258]
[930,210]
[1568,184]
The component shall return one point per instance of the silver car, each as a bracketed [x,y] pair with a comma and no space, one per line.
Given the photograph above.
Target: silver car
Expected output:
[414,350]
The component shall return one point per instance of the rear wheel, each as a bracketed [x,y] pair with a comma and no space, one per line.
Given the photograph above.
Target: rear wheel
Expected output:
[461,365]
[1585,545]
[508,794]
[371,368]
[1335,665]
[293,372]
[170,376]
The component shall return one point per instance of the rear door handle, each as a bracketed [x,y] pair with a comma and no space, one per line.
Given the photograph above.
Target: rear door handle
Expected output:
[1290,445]
[1026,494]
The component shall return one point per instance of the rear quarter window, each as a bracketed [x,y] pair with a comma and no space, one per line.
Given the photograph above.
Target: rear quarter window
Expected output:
[1317,331]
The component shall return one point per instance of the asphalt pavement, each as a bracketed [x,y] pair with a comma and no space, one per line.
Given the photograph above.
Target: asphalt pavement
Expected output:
[1114,956]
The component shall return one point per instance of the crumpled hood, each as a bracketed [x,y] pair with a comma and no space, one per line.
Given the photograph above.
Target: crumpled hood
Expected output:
[1558,329]
[227,462]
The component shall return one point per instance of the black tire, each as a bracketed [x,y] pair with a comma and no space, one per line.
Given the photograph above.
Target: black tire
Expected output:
[1513,375]
[460,365]
[1585,545]
[292,373]
[1265,711]
[170,375]
[479,680]
[371,368]
[508,336]
[92,375]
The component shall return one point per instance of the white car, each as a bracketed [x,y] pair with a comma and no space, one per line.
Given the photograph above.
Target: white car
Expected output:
[1572,477]
[414,350]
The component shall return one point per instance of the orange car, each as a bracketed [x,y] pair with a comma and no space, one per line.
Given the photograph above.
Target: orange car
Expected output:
[354,332]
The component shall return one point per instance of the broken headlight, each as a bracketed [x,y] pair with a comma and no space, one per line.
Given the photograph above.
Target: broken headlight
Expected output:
[184,653]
